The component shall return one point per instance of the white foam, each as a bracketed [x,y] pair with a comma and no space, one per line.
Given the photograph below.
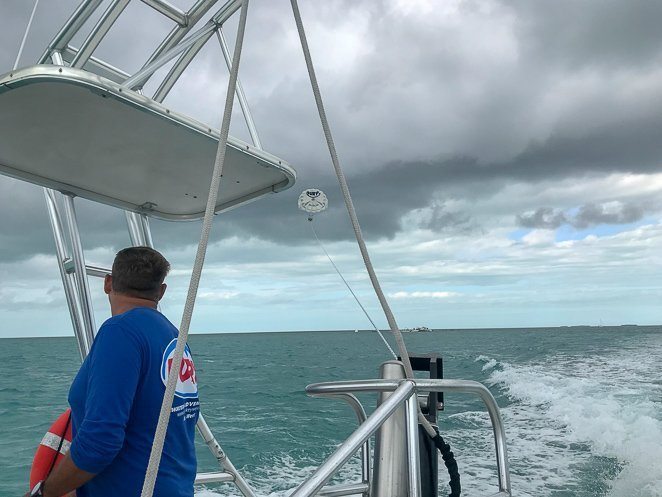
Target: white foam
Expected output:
[603,403]
[281,476]
[489,364]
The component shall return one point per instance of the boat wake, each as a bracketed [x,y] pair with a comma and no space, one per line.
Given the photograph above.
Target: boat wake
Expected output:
[572,418]
[281,476]
[581,426]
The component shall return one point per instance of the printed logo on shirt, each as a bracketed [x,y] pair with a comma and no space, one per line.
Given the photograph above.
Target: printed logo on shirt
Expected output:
[187,386]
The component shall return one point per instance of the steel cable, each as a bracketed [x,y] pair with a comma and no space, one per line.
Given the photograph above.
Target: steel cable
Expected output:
[379,332]
[25,35]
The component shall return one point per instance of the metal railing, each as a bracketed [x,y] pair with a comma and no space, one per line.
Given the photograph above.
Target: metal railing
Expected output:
[404,392]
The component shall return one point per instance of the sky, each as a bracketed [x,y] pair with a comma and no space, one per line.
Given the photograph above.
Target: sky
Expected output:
[505,160]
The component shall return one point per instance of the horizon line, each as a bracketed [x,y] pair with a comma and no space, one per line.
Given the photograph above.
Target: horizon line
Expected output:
[364,330]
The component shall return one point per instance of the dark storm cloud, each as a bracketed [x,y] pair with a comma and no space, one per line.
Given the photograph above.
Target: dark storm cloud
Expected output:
[25,229]
[409,91]
[443,219]
[382,196]
[592,214]
[607,34]
[587,215]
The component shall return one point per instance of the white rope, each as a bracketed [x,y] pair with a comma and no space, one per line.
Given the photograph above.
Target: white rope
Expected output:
[379,332]
[390,318]
[164,416]
[25,35]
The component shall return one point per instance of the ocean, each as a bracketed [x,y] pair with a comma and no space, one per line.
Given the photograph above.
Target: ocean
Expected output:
[582,406]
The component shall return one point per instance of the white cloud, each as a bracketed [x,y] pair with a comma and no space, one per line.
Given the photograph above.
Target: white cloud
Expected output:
[423,295]
[539,237]
[216,296]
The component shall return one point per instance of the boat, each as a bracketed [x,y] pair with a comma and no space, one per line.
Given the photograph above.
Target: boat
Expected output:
[83,105]
[418,329]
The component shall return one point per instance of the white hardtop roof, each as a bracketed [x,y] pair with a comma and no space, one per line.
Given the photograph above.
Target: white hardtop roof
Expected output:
[79,133]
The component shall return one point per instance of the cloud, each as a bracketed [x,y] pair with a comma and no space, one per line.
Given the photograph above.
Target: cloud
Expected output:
[543,217]
[539,238]
[423,295]
[608,213]
[613,212]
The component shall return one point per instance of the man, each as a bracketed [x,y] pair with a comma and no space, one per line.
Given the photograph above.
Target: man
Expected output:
[116,397]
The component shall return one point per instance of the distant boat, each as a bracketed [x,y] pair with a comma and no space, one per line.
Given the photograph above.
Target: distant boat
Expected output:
[356,331]
[419,329]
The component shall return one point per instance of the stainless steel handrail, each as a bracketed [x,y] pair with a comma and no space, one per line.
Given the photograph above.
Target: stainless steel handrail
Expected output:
[216,477]
[476,388]
[345,489]
[413,457]
[358,409]
[347,449]
[460,386]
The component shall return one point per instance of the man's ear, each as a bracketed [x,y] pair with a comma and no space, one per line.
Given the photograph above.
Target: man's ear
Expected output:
[162,291]
[108,284]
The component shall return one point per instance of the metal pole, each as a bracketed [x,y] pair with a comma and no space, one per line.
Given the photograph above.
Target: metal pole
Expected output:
[241,96]
[413,466]
[356,405]
[147,232]
[169,48]
[135,229]
[86,309]
[179,67]
[99,32]
[139,231]
[222,458]
[389,476]
[67,282]
[342,454]
[168,10]
[56,57]
[143,75]
[194,15]
[71,27]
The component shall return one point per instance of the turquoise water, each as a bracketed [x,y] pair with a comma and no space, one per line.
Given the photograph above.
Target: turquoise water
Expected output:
[582,406]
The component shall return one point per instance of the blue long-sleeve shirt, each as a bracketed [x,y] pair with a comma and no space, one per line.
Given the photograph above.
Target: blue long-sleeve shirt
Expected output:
[115,401]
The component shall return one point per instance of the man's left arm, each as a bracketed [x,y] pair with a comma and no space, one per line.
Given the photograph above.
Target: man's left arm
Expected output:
[113,378]
[65,478]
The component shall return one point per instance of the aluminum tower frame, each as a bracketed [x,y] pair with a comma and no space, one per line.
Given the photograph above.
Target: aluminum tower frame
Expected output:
[60,206]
